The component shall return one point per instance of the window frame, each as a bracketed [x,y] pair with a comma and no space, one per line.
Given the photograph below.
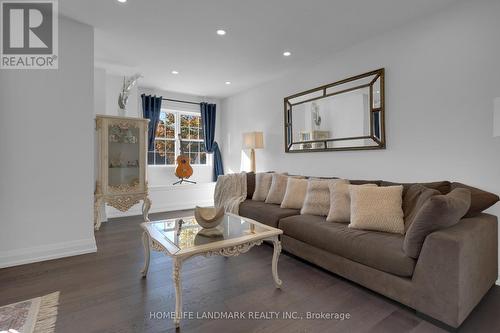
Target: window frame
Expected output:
[177,144]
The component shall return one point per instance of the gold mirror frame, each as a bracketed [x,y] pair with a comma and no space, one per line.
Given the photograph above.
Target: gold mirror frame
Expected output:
[379,141]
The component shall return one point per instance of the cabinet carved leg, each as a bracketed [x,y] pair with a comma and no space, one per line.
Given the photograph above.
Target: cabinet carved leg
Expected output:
[145,209]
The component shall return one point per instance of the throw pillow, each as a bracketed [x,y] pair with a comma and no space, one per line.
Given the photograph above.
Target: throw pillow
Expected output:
[277,189]
[317,200]
[340,201]
[295,194]
[480,200]
[439,212]
[377,208]
[416,196]
[262,185]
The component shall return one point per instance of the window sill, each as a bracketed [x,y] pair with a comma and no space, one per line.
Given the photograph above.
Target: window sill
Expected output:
[198,186]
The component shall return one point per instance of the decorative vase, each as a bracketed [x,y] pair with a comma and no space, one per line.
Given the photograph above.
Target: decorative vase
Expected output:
[209,218]
[122,112]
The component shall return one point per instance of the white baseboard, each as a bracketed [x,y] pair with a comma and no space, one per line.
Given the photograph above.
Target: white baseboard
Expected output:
[498,281]
[46,252]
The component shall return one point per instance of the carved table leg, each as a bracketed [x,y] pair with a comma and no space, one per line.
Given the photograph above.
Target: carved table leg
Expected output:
[276,254]
[97,212]
[145,209]
[145,242]
[176,275]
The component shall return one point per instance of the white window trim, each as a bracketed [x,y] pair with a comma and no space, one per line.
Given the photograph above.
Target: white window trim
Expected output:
[177,143]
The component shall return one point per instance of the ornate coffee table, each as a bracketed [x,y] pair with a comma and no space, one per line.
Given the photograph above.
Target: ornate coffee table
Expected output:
[182,241]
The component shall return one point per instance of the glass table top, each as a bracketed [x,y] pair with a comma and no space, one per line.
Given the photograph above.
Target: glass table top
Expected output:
[188,235]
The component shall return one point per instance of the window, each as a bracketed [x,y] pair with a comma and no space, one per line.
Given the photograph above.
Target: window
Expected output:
[167,145]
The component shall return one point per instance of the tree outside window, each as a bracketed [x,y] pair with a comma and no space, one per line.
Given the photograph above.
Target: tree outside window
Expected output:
[167,145]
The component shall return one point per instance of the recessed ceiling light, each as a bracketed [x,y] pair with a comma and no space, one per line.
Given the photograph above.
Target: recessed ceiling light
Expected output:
[122,1]
[175,72]
[287,53]
[221,32]
[228,82]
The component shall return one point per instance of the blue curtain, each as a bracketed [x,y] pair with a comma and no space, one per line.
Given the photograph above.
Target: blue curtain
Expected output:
[151,107]
[208,121]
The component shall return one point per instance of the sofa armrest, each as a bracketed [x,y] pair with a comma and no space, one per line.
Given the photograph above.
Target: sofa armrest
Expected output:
[456,267]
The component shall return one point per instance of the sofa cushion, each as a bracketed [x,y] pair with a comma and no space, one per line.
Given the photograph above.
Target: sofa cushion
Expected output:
[261,212]
[363,182]
[439,212]
[480,200]
[250,184]
[379,250]
[416,196]
[442,186]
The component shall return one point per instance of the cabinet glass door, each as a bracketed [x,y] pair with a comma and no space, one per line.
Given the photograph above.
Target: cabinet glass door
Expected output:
[123,155]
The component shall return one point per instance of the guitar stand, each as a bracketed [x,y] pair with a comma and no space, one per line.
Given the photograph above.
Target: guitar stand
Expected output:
[182,181]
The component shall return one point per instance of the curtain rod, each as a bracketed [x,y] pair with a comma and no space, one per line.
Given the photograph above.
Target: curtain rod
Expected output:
[179,101]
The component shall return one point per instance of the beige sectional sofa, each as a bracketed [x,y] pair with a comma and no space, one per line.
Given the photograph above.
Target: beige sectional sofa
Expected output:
[454,270]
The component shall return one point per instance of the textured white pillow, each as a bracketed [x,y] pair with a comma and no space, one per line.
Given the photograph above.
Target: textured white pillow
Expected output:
[317,200]
[262,185]
[277,189]
[340,201]
[295,193]
[377,208]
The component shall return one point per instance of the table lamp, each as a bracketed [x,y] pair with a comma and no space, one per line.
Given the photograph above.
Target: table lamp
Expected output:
[252,141]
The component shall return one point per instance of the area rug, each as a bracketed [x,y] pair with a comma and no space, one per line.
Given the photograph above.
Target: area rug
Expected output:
[36,315]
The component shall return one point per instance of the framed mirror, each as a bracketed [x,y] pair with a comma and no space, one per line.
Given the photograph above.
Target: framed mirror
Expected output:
[344,115]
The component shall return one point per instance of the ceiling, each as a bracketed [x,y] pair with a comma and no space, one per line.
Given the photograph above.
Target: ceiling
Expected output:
[154,37]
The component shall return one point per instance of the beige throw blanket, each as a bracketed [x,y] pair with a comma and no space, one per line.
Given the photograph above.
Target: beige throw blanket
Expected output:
[230,191]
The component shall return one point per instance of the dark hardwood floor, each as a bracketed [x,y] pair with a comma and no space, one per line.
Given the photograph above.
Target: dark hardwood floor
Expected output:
[104,292]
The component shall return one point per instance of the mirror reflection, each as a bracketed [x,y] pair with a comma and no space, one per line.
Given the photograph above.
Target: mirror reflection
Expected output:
[340,116]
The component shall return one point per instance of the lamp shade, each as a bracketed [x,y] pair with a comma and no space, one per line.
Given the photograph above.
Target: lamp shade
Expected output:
[253,140]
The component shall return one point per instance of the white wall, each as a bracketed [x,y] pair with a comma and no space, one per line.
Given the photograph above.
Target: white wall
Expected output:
[442,75]
[46,174]
[164,196]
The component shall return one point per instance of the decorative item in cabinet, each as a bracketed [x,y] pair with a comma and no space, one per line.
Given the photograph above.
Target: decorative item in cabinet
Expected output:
[122,178]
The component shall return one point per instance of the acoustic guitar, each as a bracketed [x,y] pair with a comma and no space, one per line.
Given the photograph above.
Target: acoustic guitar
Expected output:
[184,169]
